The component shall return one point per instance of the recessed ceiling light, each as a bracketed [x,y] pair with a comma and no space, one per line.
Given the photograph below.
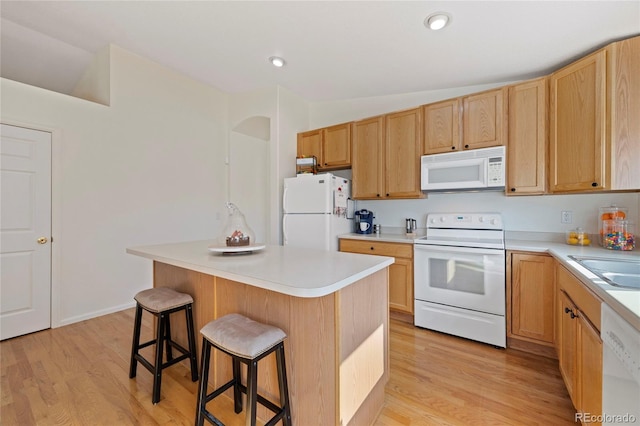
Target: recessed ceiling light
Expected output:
[436,21]
[277,61]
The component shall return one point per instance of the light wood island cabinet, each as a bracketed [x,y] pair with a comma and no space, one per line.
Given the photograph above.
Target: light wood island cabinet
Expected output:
[527,151]
[578,342]
[531,302]
[594,131]
[400,273]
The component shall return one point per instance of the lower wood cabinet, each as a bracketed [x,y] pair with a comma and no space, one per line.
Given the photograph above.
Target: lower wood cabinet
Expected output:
[400,273]
[578,342]
[530,302]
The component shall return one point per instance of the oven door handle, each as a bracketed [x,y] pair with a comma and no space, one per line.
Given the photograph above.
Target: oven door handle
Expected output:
[453,249]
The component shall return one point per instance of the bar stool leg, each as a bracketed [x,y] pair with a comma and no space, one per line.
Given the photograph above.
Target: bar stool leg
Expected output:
[282,384]
[204,379]
[237,393]
[157,375]
[167,337]
[192,343]
[133,364]
[252,392]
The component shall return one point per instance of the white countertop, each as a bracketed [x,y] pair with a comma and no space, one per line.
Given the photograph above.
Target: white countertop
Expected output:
[289,270]
[387,237]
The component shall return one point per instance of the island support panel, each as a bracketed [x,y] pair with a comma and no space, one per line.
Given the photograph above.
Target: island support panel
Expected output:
[336,351]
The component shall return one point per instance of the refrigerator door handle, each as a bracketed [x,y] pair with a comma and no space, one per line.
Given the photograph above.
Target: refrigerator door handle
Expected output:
[284,199]
[284,229]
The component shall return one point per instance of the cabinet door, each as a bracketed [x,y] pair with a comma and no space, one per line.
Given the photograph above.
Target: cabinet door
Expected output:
[368,155]
[310,144]
[441,127]
[526,155]
[401,285]
[402,154]
[484,118]
[336,146]
[532,297]
[589,366]
[568,344]
[625,110]
[577,126]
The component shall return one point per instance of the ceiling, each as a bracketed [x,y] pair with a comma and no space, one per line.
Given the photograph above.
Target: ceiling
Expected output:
[334,49]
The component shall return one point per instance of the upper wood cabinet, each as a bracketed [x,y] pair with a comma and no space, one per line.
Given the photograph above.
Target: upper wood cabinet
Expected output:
[310,144]
[469,122]
[386,156]
[484,119]
[367,170]
[331,146]
[442,126]
[527,152]
[403,139]
[336,146]
[594,131]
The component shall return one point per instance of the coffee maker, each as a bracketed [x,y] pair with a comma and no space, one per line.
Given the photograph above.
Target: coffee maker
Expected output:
[364,221]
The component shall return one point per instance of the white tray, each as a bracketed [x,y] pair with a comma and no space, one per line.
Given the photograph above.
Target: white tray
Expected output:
[236,249]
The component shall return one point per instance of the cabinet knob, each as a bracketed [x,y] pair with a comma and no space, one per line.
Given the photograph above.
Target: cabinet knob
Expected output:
[594,184]
[567,310]
[513,190]
[453,147]
[377,195]
[573,315]
[371,248]
[387,195]
[466,146]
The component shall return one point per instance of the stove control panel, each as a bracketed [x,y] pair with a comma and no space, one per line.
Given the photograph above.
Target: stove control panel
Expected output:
[465,220]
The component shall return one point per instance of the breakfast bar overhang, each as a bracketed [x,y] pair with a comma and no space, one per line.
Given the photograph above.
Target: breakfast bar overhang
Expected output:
[333,307]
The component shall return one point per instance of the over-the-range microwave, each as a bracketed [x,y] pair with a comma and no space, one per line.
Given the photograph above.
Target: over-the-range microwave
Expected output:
[475,169]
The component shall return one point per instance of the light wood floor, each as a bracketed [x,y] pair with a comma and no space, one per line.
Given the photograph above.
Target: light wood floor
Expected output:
[79,375]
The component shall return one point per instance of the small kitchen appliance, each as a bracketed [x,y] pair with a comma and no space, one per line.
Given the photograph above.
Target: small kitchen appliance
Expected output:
[315,210]
[364,221]
[459,276]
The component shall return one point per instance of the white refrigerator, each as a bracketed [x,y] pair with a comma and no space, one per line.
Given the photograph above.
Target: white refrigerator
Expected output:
[315,210]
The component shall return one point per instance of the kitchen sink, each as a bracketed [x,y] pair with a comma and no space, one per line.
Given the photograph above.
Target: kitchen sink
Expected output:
[620,273]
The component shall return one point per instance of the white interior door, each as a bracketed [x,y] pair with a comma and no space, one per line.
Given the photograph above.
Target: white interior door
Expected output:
[25,217]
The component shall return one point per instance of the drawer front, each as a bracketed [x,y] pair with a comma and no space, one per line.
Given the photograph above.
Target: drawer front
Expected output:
[377,248]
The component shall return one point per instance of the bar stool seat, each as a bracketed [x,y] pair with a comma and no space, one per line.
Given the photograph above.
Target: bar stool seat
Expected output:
[246,341]
[161,302]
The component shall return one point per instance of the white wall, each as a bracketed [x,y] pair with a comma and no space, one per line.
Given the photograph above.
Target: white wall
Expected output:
[531,214]
[289,115]
[148,169]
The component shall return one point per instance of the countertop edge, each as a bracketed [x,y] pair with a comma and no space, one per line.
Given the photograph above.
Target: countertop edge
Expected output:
[384,261]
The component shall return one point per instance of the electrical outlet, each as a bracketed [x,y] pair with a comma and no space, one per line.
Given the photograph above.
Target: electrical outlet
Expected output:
[567,217]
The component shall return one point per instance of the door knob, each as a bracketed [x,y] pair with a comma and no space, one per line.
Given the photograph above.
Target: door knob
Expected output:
[42,240]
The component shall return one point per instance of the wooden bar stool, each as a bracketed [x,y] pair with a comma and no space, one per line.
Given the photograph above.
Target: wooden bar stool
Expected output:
[161,302]
[246,341]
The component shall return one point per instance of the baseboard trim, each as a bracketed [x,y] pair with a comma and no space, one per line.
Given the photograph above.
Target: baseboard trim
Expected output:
[95,314]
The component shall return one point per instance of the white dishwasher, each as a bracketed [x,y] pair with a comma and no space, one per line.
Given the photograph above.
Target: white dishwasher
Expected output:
[620,370]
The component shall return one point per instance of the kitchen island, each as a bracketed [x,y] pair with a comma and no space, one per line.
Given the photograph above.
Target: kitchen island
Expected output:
[333,307]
